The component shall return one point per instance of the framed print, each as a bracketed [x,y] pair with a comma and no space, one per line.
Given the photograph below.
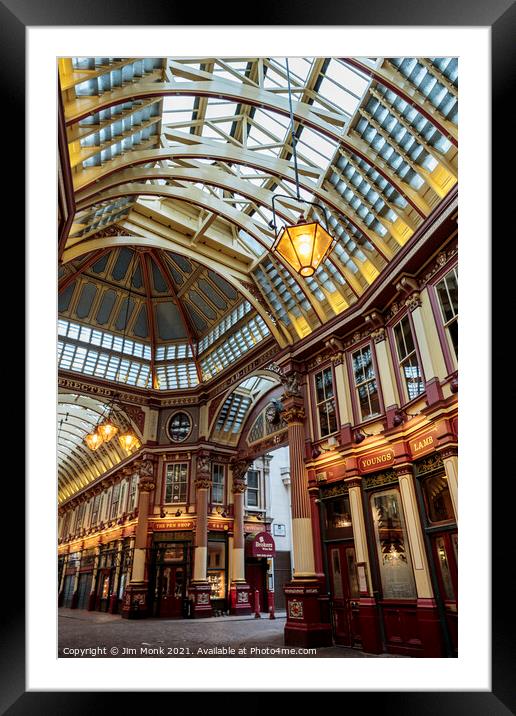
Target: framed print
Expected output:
[185,294]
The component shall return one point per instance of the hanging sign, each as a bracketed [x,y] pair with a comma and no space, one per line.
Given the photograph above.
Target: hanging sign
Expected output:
[261,545]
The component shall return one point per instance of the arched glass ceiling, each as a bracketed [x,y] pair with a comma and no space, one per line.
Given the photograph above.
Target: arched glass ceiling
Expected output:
[238,405]
[192,150]
[78,466]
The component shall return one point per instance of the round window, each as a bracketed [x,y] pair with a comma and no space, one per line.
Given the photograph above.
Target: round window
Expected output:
[179,427]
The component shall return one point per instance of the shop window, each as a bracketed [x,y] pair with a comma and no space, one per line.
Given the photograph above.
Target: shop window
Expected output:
[176,483]
[253,488]
[438,502]
[216,572]
[407,360]
[114,501]
[365,383]
[325,398]
[217,490]
[131,503]
[338,518]
[392,546]
[95,511]
[444,568]
[447,293]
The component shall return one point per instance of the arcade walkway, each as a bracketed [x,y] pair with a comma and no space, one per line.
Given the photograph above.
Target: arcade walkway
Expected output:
[87,634]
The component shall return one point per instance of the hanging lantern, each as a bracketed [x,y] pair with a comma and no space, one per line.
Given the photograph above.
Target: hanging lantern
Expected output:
[303,246]
[128,440]
[93,440]
[107,430]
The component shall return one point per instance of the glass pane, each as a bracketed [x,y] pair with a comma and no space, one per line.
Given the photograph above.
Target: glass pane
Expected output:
[252,478]
[357,367]
[332,416]
[391,542]
[338,590]
[444,300]
[451,282]
[398,335]
[319,389]
[437,498]
[407,334]
[328,383]
[412,376]
[444,568]
[354,589]
[323,420]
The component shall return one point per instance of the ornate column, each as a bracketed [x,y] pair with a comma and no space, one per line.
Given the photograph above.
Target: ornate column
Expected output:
[113,600]
[308,617]
[199,590]
[368,609]
[135,596]
[93,597]
[386,375]
[240,590]
[315,514]
[75,593]
[60,591]
[427,613]
[451,467]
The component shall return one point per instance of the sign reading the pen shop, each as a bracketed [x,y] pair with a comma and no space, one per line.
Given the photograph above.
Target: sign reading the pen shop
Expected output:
[179,525]
[375,461]
[424,443]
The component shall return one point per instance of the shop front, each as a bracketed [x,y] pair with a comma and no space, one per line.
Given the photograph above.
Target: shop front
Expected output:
[440,529]
[260,550]
[85,581]
[170,571]
[106,576]
[217,571]
[341,568]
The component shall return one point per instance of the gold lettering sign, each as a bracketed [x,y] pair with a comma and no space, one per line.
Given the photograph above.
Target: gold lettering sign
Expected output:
[424,443]
[375,461]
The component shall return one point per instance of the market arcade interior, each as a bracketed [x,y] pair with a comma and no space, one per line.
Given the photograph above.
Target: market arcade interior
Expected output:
[190,350]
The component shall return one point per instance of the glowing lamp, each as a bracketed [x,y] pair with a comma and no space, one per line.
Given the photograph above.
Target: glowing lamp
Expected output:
[107,430]
[93,440]
[303,246]
[128,440]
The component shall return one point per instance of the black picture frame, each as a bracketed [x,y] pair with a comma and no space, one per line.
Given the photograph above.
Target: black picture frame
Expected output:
[500,16]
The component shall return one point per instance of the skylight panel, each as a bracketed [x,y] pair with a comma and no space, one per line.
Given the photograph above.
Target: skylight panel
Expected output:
[217,108]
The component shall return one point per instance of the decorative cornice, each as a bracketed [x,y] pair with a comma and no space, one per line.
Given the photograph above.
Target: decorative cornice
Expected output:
[239,486]
[239,469]
[442,259]
[378,335]
[146,484]
[413,301]
[203,481]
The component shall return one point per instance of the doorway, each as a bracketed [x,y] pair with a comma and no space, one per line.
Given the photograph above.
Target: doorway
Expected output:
[170,590]
[444,552]
[345,593]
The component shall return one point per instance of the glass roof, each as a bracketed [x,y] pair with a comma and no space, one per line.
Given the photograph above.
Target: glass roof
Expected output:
[190,152]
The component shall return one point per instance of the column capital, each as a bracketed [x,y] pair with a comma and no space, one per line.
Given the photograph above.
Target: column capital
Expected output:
[414,301]
[354,482]
[146,484]
[378,335]
[447,451]
[239,467]
[293,413]
[239,486]
[404,470]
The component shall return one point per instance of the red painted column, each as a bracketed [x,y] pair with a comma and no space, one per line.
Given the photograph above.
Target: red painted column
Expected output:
[199,590]
[240,602]
[316,530]
[135,596]
[308,616]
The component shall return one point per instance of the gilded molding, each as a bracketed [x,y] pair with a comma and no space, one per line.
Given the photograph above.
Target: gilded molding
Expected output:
[414,301]
[378,335]
[295,414]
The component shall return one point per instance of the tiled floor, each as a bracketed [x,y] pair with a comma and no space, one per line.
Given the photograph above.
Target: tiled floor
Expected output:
[95,634]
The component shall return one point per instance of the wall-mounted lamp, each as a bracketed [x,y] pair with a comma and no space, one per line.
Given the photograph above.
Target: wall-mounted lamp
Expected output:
[178,513]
